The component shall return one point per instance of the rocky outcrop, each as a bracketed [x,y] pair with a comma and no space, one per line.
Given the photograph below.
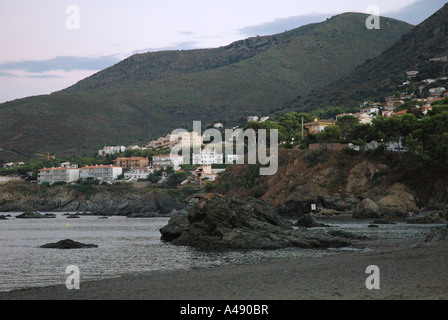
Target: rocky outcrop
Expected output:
[218,222]
[307,221]
[68,244]
[360,176]
[432,217]
[98,201]
[367,209]
[35,215]
[175,228]
[399,203]
[439,234]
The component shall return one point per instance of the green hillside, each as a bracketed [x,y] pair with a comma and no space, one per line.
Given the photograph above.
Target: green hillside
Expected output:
[381,76]
[148,95]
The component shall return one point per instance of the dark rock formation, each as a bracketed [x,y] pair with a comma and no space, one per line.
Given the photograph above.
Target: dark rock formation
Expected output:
[367,209]
[307,221]
[438,234]
[218,222]
[433,217]
[176,227]
[35,215]
[2,217]
[382,221]
[68,244]
[346,235]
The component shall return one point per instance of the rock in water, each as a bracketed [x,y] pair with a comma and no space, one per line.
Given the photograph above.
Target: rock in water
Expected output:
[35,215]
[68,244]
[307,221]
[218,222]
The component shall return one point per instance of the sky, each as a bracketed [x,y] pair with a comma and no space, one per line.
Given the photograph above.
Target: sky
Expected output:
[48,45]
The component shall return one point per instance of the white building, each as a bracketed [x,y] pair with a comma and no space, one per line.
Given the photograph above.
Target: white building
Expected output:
[68,165]
[53,175]
[364,118]
[13,164]
[111,150]
[208,156]
[252,119]
[6,179]
[263,119]
[232,158]
[136,174]
[218,125]
[107,174]
[412,74]
[429,81]
[438,90]
[166,160]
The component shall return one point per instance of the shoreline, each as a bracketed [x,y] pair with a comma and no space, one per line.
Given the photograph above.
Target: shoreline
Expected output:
[409,269]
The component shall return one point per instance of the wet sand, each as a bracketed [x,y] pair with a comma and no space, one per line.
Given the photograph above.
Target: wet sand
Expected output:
[409,270]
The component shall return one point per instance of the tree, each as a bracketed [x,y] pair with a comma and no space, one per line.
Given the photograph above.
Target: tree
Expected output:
[347,123]
[176,179]
[387,130]
[331,134]
[361,135]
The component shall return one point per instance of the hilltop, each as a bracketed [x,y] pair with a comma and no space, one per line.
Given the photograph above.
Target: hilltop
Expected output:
[423,49]
[148,95]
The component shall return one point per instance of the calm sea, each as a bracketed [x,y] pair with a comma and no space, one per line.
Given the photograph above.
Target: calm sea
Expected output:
[126,246]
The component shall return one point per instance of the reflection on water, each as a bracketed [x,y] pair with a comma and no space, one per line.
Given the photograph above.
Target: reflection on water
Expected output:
[126,246]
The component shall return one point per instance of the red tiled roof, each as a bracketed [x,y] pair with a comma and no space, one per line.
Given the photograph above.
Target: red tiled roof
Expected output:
[400,113]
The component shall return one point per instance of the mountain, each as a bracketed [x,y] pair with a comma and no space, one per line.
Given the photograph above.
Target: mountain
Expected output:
[380,76]
[150,94]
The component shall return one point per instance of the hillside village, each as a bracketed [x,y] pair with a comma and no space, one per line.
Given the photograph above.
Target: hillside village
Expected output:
[415,97]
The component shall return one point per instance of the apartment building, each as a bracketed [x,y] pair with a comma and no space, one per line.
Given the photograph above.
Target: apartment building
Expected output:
[131,163]
[53,175]
[208,156]
[107,174]
[166,160]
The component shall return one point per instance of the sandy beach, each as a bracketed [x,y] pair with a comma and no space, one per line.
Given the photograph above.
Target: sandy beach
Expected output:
[408,270]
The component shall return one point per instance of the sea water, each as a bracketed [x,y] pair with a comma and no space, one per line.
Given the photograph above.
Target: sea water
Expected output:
[129,246]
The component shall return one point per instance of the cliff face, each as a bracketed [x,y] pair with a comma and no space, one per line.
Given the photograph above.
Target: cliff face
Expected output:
[334,180]
[100,199]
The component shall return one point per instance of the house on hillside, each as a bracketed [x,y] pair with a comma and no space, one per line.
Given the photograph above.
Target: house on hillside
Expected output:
[437,91]
[202,175]
[111,150]
[411,74]
[318,125]
[252,119]
[168,142]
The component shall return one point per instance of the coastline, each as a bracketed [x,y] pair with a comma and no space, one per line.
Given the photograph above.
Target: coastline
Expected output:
[409,270]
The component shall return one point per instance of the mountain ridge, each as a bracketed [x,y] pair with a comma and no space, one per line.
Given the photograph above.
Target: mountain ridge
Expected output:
[148,100]
[379,77]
